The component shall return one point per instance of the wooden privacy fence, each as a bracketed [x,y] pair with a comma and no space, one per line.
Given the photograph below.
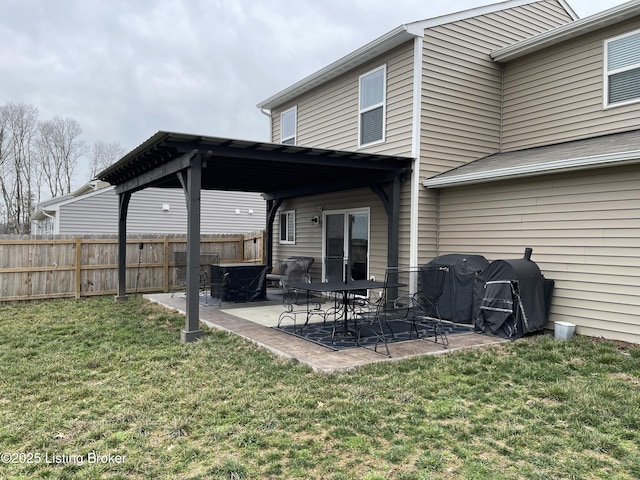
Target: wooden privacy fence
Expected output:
[75,266]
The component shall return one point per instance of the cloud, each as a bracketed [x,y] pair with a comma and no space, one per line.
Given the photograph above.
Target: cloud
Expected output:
[125,69]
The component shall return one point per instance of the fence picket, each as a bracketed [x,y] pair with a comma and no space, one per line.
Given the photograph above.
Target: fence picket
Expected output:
[36,267]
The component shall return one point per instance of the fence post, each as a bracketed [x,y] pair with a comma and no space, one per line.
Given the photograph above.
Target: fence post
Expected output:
[166,263]
[241,249]
[78,269]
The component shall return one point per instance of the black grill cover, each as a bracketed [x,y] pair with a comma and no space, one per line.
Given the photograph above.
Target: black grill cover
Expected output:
[510,299]
[456,301]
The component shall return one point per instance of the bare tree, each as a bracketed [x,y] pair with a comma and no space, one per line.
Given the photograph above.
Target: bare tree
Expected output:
[105,154]
[59,148]
[18,124]
[37,156]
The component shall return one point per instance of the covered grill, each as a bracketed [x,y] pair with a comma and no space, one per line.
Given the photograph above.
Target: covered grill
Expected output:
[456,301]
[511,298]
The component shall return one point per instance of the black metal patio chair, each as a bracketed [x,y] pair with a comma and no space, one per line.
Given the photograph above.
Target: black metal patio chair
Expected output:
[422,304]
[297,273]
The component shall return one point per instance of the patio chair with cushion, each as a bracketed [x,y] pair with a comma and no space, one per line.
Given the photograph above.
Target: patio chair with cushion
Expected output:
[289,263]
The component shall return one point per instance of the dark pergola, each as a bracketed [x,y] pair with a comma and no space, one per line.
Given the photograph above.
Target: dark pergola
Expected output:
[194,162]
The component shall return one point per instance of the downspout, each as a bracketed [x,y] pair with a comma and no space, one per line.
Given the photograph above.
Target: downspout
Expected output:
[268,114]
[415,152]
[53,221]
[272,205]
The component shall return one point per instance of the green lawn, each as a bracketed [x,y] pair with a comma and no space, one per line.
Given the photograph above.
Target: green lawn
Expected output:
[99,377]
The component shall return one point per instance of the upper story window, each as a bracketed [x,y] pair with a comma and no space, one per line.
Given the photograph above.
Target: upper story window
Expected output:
[288,227]
[288,126]
[372,106]
[622,69]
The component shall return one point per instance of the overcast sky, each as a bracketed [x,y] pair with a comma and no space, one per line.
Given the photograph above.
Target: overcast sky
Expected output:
[128,68]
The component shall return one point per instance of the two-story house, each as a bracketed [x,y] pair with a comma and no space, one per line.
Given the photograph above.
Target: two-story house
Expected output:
[524,123]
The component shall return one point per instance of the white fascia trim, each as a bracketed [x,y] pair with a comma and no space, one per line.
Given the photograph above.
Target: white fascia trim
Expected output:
[415,150]
[356,58]
[557,166]
[43,214]
[569,10]
[568,31]
[470,13]
[86,195]
[382,44]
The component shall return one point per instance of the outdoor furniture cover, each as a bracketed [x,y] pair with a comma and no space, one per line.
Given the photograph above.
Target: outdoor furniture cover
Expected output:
[241,282]
[510,298]
[456,301]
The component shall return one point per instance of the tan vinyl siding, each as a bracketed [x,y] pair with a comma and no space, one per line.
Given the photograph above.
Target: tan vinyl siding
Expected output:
[555,95]
[462,85]
[585,233]
[328,115]
[309,235]
[462,94]
[328,118]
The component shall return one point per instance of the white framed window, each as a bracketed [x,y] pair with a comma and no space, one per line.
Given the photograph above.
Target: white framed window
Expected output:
[372,106]
[288,126]
[622,69]
[288,227]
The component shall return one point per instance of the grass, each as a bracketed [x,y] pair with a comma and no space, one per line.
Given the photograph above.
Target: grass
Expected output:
[96,375]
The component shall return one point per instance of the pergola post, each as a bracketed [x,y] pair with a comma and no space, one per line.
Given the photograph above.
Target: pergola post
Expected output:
[272,209]
[394,224]
[191,179]
[123,207]
[391,202]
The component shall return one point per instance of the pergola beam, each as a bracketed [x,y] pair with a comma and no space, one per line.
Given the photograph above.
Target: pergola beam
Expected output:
[156,174]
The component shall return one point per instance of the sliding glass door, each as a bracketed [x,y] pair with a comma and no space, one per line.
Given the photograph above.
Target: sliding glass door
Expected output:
[346,245]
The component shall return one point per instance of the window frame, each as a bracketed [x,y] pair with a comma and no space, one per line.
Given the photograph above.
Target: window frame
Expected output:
[608,73]
[287,140]
[290,218]
[383,104]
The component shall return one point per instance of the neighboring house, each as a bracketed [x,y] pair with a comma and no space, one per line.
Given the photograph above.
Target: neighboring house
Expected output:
[525,125]
[93,208]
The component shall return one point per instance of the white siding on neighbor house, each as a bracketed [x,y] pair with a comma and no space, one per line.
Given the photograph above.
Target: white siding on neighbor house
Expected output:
[328,115]
[462,92]
[98,212]
[584,229]
[556,95]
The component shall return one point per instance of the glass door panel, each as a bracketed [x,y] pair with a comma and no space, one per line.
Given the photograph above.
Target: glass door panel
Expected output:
[346,238]
[334,246]
[358,245]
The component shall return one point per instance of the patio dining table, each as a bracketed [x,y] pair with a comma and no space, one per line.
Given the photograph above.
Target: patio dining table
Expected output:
[345,288]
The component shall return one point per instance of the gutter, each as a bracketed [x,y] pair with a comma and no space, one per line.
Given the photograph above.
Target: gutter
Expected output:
[566,32]
[53,218]
[267,113]
[354,59]
[557,166]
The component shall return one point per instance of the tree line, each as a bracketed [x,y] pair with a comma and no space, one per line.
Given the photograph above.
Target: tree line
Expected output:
[38,160]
